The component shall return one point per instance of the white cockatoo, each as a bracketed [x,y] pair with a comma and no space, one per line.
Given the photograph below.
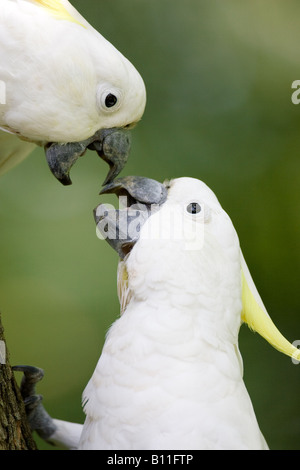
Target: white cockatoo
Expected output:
[63,87]
[170,375]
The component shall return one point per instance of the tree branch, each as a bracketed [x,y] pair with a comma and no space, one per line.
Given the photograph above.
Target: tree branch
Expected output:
[15,433]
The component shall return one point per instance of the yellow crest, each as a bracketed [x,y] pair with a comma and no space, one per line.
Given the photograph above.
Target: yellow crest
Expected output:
[124,292]
[56,8]
[257,318]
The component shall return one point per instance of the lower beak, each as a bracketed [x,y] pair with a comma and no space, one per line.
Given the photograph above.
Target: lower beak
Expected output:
[121,227]
[112,145]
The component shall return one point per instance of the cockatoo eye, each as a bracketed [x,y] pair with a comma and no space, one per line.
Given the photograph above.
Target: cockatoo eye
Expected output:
[193,208]
[110,100]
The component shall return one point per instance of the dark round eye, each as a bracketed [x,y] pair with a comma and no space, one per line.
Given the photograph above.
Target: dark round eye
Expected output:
[193,208]
[110,100]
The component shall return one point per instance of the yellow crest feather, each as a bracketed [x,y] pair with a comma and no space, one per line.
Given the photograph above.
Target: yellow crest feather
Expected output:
[124,292]
[258,320]
[57,9]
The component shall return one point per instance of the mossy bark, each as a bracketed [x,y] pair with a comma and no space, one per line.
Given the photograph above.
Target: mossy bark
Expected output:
[15,433]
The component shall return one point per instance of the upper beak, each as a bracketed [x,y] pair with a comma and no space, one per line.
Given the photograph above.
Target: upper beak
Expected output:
[121,227]
[112,145]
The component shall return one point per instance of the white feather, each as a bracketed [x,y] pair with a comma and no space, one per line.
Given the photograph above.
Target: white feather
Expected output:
[12,151]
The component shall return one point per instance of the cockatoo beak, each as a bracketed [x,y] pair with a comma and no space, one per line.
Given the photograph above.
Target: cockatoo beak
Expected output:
[255,315]
[112,145]
[120,227]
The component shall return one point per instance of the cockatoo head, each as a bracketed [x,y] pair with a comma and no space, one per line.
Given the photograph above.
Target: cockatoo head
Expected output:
[177,234]
[104,99]
[68,89]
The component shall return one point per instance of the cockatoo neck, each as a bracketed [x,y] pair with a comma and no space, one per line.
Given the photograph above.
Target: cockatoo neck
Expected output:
[182,286]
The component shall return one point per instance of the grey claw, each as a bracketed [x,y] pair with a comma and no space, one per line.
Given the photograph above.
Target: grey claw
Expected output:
[38,418]
[32,375]
[32,402]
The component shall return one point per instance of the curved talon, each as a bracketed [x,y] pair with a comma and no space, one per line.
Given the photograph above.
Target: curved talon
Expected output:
[32,375]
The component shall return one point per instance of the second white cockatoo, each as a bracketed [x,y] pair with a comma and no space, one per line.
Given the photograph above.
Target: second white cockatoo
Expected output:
[63,87]
[170,375]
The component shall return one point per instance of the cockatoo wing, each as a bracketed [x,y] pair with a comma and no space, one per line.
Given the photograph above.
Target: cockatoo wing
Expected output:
[12,151]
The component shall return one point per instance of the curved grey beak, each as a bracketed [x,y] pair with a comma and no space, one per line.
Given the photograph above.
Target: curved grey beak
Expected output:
[112,145]
[141,197]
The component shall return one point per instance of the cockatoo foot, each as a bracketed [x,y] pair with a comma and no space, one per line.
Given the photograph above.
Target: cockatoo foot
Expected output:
[38,418]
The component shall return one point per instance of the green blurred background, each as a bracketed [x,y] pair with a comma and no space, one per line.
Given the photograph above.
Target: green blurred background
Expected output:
[218,77]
